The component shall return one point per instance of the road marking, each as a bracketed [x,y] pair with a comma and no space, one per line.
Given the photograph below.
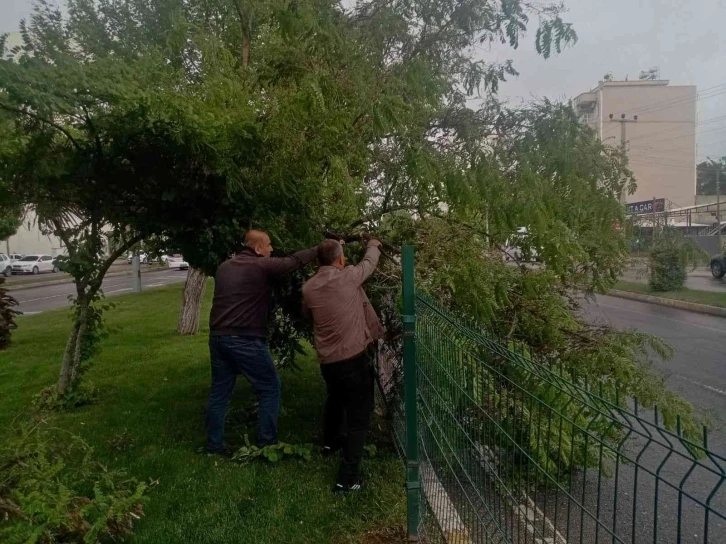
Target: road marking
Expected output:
[117,290]
[154,285]
[694,382]
[651,315]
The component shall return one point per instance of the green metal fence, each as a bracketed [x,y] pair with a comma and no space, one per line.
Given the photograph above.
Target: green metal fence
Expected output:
[501,448]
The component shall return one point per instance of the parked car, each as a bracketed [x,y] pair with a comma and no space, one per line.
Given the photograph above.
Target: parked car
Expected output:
[718,266]
[145,259]
[176,261]
[6,265]
[16,256]
[35,264]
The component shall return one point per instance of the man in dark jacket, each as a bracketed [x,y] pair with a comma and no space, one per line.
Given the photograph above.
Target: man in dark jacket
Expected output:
[238,328]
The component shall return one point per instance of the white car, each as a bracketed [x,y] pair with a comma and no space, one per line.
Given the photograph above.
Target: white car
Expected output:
[35,264]
[144,258]
[6,265]
[176,261]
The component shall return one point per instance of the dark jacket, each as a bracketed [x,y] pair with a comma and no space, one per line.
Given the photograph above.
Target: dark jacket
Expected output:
[243,289]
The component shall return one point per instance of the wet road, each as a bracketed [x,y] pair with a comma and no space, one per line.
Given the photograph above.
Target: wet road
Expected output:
[698,373]
[40,299]
[698,369]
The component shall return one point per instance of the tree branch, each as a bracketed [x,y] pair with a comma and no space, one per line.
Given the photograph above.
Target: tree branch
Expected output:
[45,121]
[96,284]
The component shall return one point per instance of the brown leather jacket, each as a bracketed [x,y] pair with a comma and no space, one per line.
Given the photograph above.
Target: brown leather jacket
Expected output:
[345,322]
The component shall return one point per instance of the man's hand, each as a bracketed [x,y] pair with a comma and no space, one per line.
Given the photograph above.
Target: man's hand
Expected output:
[374,243]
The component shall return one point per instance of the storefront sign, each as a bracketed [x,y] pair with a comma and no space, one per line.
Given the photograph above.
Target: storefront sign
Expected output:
[647,206]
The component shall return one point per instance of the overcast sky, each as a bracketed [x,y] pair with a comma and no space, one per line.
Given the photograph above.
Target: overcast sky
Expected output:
[686,40]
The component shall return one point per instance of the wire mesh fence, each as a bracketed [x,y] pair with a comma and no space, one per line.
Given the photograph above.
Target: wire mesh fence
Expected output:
[510,450]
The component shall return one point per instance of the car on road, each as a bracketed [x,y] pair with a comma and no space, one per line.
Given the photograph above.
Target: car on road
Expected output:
[145,259]
[35,264]
[176,261]
[6,265]
[718,266]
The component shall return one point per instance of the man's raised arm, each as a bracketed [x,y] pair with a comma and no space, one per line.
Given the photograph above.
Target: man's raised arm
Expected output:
[278,266]
[362,271]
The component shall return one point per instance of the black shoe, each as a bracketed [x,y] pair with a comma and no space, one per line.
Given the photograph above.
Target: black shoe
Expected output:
[343,489]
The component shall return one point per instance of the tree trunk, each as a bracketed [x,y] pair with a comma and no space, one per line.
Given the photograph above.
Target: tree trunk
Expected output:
[245,51]
[72,355]
[66,373]
[191,302]
[82,328]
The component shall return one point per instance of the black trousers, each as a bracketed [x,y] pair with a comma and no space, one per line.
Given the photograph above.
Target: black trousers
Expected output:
[348,410]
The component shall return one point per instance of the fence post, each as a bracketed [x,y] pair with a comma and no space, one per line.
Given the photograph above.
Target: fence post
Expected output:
[413,484]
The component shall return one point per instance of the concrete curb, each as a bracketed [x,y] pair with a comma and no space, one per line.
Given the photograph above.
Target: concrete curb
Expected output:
[33,285]
[680,304]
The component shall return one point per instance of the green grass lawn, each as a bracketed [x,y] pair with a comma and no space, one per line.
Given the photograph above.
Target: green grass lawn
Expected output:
[153,387]
[688,295]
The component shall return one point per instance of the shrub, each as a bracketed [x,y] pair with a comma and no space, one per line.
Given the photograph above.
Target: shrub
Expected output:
[53,491]
[7,315]
[671,256]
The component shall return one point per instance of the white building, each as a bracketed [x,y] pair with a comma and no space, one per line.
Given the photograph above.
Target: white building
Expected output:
[29,240]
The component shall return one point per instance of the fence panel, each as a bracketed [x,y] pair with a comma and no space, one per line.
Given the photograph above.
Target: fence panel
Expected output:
[512,451]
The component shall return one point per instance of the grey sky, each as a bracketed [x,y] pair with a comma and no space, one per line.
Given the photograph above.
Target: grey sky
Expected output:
[686,40]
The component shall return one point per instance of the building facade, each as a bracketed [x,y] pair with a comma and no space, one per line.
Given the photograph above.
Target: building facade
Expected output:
[659,124]
[30,240]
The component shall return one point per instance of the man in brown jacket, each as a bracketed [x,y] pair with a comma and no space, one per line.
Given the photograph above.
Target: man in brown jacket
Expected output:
[238,334]
[346,326]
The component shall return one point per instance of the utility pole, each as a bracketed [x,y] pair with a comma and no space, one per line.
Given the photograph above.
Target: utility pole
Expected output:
[718,206]
[136,273]
[623,124]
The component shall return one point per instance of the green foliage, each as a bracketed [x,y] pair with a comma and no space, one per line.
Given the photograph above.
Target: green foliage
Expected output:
[671,256]
[10,221]
[82,394]
[7,315]
[195,121]
[706,173]
[54,491]
[273,453]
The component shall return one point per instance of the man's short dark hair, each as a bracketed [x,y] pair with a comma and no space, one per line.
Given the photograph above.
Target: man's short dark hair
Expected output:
[329,251]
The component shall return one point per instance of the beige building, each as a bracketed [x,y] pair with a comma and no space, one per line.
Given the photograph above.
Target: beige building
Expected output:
[30,240]
[659,123]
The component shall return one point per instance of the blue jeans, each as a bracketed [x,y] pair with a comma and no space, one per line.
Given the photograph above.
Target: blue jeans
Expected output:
[232,355]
